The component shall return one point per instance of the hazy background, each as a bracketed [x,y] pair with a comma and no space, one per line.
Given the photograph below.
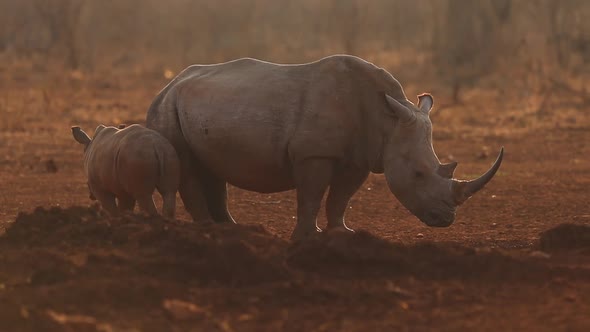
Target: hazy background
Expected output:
[454,41]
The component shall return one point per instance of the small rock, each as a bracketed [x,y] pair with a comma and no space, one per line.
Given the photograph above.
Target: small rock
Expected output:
[65,319]
[24,312]
[419,235]
[51,166]
[483,250]
[540,254]
[245,317]
[182,310]
[482,155]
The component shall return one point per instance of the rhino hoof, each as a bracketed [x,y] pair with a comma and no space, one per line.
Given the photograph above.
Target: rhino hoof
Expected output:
[339,229]
[305,235]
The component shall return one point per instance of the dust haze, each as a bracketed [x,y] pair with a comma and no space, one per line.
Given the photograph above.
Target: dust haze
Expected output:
[510,73]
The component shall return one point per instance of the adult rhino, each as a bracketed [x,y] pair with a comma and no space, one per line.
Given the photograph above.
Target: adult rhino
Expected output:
[269,127]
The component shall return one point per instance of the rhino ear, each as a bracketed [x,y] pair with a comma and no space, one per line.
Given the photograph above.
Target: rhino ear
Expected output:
[398,109]
[425,102]
[80,136]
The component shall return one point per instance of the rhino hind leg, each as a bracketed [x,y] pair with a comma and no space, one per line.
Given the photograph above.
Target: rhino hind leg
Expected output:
[146,204]
[191,190]
[343,186]
[126,203]
[312,177]
[215,191]
[169,204]
[107,201]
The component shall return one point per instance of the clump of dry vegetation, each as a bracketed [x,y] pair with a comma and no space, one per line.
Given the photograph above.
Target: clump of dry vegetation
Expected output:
[466,39]
[533,55]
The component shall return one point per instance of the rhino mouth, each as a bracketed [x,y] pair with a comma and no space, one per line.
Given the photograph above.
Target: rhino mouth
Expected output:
[438,219]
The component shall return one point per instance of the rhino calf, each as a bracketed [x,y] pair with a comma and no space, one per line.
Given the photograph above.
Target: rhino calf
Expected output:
[126,165]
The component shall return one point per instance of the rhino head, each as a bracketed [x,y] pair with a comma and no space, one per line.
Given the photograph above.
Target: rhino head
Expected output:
[414,173]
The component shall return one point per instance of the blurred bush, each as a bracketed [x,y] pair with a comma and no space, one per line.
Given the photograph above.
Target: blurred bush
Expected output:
[462,39]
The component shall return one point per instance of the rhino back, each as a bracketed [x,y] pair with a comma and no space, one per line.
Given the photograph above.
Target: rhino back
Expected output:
[238,119]
[248,120]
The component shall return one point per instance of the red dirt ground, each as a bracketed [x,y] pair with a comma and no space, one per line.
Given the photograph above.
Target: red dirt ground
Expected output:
[517,257]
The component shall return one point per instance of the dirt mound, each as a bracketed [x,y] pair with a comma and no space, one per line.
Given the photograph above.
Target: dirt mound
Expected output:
[69,243]
[566,237]
[77,269]
[228,254]
[361,255]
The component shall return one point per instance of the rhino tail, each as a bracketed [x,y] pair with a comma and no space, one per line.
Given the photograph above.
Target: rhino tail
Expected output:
[163,118]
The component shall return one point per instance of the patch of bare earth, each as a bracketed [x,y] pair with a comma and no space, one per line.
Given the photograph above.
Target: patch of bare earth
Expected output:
[75,269]
[516,257]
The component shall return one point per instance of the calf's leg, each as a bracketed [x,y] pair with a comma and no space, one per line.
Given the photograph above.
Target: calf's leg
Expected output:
[107,200]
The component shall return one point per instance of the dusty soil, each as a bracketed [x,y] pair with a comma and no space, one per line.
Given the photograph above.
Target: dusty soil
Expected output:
[517,258]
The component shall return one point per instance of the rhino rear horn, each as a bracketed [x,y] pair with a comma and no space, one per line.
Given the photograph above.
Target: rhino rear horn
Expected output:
[399,110]
[462,190]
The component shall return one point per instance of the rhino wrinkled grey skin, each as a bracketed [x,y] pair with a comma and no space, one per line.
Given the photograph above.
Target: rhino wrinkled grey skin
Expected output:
[271,127]
[128,165]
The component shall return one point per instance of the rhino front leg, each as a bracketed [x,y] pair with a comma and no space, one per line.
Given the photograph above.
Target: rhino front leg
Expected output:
[344,184]
[312,177]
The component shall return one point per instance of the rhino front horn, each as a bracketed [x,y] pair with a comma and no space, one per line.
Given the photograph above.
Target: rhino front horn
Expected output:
[462,190]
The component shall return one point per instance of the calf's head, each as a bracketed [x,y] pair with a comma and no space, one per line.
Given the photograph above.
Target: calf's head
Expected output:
[414,173]
[81,137]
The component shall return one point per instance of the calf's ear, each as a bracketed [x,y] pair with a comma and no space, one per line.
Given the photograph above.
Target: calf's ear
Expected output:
[80,136]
